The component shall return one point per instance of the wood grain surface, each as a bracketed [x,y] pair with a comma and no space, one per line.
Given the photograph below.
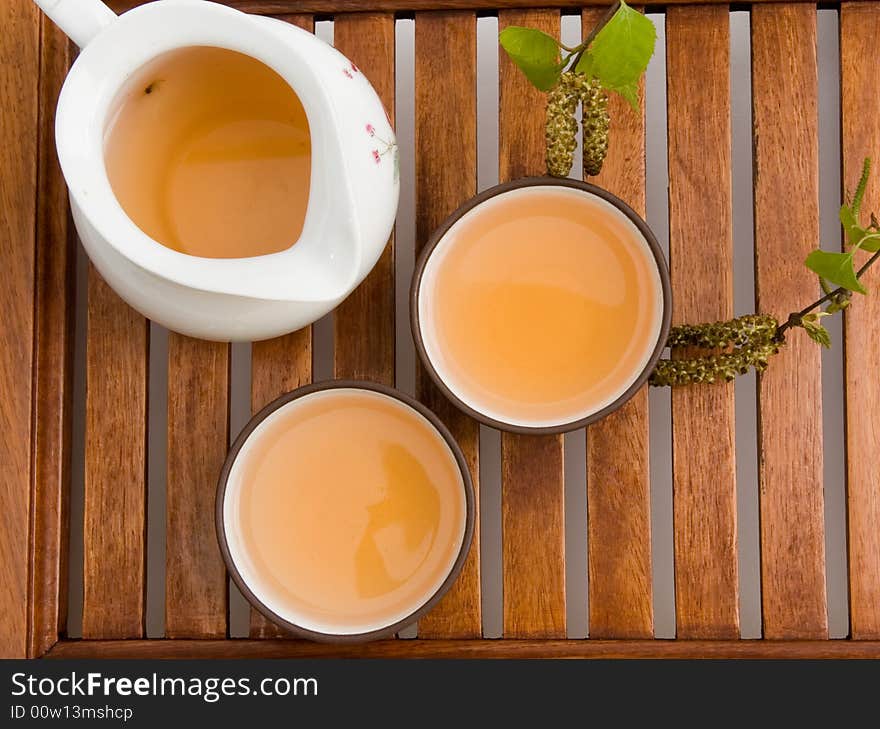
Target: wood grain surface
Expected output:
[861,138]
[701,260]
[274,7]
[618,478]
[114,532]
[364,323]
[681,649]
[19,74]
[446,176]
[784,83]
[279,365]
[532,495]
[53,363]
[198,432]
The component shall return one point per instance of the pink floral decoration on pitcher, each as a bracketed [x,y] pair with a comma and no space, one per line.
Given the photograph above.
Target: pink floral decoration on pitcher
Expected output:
[379,152]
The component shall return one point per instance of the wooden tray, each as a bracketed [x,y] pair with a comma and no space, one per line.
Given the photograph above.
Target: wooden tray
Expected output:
[37,254]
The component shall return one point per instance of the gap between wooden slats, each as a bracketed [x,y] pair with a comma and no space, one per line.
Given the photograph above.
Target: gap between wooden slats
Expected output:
[784,84]
[860,84]
[446,165]
[574,444]
[405,225]
[618,483]
[659,399]
[745,386]
[53,361]
[532,495]
[701,260]
[158,476]
[19,77]
[833,401]
[278,366]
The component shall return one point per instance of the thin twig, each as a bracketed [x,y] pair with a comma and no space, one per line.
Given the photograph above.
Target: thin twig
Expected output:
[795,318]
[596,28]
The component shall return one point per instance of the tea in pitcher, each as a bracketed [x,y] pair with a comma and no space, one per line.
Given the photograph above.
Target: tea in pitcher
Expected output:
[208,151]
[345,511]
[540,306]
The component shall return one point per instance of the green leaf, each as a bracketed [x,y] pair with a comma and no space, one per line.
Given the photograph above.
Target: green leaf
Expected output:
[619,54]
[836,268]
[631,94]
[536,54]
[854,232]
[870,242]
[818,333]
[585,64]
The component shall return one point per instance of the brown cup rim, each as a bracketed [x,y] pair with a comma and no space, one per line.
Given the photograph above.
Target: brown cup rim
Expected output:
[437,236]
[470,509]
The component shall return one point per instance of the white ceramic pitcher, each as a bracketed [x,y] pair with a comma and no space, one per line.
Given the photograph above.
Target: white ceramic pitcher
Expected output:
[353,187]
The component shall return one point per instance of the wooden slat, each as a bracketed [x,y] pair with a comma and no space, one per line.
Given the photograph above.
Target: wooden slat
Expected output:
[533,533]
[446,172]
[741,649]
[273,7]
[784,83]
[19,74]
[114,533]
[364,322]
[53,353]
[198,434]
[278,366]
[618,478]
[861,138]
[701,258]
[532,494]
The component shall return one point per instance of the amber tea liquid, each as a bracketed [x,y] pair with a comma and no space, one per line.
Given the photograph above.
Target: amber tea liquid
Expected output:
[348,510]
[541,306]
[209,153]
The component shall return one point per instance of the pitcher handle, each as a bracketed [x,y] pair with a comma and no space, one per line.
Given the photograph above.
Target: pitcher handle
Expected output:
[81,20]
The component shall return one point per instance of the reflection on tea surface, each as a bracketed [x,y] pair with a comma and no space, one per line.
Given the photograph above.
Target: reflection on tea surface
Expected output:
[409,509]
[209,153]
[351,509]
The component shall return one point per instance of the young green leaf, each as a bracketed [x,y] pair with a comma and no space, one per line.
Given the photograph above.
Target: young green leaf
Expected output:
[837,305]
[870,242]
[536,53]
[836,268]
[813,326]
[854,232]
[861,187]
[620,52]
